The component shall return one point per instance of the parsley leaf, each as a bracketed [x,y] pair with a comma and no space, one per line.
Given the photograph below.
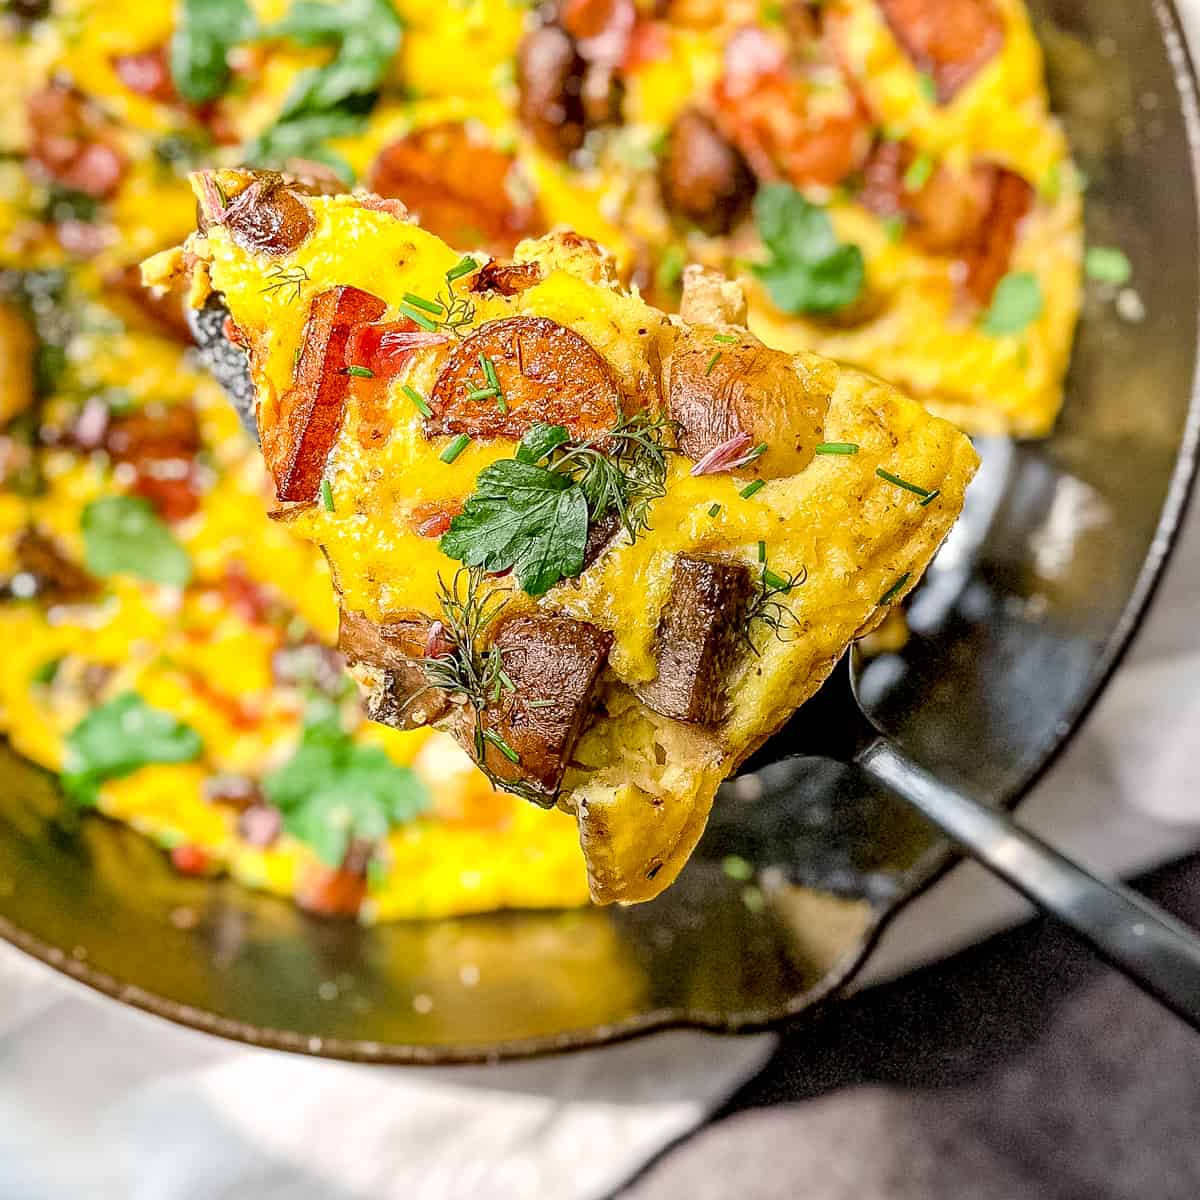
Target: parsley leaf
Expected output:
[333,790]
[205,32]
[1016,302]
[524,517]
[123,535]
[809,271]
[333,100]
[117,738]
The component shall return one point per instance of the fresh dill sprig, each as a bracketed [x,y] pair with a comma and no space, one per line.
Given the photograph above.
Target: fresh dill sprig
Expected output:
[283,279]
[767,607]
[624,470]
[473,674]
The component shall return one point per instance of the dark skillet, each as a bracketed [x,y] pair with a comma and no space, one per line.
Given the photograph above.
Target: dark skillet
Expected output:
[1016,630]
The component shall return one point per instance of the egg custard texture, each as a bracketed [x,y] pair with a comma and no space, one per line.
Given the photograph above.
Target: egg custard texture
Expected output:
[797,500]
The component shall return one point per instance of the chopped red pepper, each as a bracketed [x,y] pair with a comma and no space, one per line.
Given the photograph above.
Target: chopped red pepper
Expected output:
[191,860]
[297,443]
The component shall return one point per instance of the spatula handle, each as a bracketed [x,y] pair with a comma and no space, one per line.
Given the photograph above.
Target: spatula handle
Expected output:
[1137,937]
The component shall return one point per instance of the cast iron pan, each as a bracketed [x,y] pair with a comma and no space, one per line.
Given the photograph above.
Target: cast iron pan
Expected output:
[1016,630]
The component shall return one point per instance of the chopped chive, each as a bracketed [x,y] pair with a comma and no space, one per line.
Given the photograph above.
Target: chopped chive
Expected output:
[46,671]
[915,488]
[506,681]
[927,87]
[419,318]
[418,401]
[361,372]
[326,496]
[464,266]
[751,488]
[501,745]
[894,590]
[736,867]
[728,338]
[930,498]
[712,362]
[758,451]
[918,173]
[455,448]
[714,509]
[775,582]
[489,371]
[430,306]
[482,393]
[762,552]
[835,448]
[1107,264]
[894,227]
[540,703]
[296,357]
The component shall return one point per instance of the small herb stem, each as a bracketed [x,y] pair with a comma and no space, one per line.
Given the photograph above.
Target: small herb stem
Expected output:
[464,266]
[751,488]
[456,447]
[419,318]
[418,401]
[895,589]
[835,448]
[429,306]
[915,488]
[326,496]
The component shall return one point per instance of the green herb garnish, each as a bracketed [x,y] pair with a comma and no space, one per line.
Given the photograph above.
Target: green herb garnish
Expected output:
[835,448]
[927,86]
[670,268]
[894,227]
[766,605]
[751,488]
[45,672]
[714,509]
[419,318]
[326,496]
[728,339]
[418,401]
[918,173]
[361,372]
[285,279]
[916,489]
[464,266]
[456,447]
[1107,264]
[895,589]
[123,535]
[333,791]
[712,362]
[809,271]
[205,32]
[1016,302]
[483,393]
[531,513]
[118,738]
[429,306]
[332,100]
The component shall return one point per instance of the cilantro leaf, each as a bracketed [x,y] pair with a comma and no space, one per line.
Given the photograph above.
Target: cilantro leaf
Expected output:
[205,32]
[331,100]
[123,535]
[809,271]
[1016,302]
[332,790]
[117,738]
[524,517]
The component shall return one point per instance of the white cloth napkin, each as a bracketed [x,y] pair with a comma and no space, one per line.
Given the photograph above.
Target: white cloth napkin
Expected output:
[104,1103]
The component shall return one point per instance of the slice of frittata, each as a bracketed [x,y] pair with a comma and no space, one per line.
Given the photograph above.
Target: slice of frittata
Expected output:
[609,550]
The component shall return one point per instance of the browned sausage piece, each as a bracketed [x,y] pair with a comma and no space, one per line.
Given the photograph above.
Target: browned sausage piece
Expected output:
[950,40]
[298,441]
[550,73]
[718,392]
[72,142]
[697,639]
[547,373]
[53,578]
[403,698]
[988,254]
[457,185]
[506,278]
[703,177]
[268,217]
[554,663]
